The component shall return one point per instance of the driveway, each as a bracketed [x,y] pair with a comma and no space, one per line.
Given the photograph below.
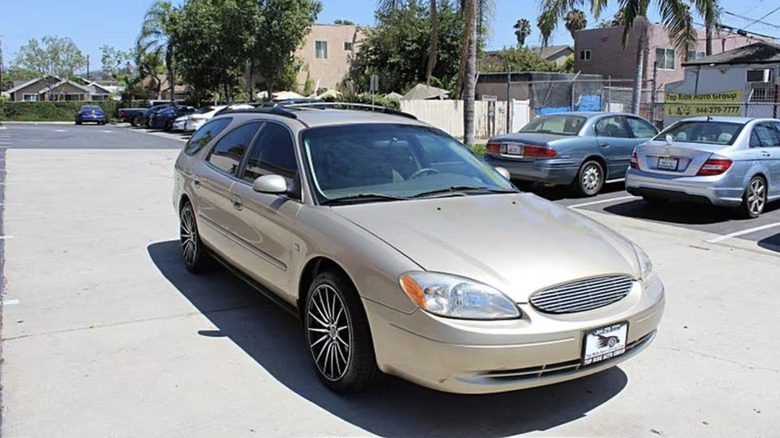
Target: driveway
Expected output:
[105,334]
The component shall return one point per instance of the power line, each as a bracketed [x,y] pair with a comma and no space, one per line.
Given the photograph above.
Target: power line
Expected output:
[751,19]
[759,19]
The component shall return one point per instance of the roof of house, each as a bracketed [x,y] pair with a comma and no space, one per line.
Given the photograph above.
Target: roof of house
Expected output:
[164,85]
[18,85]
[63,82]
[550,51]
[90,87]
[757,53]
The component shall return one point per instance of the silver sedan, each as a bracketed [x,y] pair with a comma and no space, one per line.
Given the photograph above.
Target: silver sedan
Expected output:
[724,161]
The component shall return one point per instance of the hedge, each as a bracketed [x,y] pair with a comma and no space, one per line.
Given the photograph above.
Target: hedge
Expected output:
[49,111]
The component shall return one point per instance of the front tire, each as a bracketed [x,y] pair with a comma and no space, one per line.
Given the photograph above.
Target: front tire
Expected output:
[338,336]
[590,179]
[194,253]
[754,198]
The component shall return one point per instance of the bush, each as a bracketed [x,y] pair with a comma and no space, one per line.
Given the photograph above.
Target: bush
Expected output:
[49,111]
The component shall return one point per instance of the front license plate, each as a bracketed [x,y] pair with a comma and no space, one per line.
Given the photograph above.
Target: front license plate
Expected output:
[604,343]
[514,149]
[668,163]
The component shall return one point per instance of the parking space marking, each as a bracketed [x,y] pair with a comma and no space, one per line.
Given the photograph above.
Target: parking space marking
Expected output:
[6,237]
[10,302]
[60,130]
[743,232]
[603,201]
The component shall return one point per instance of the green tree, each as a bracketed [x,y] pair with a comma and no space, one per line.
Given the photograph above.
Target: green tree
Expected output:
[151,66]
[516,59]
[575,21]
[113,61]
[157,37]
[522,31]
[51,58]
[286,24]
[675,15]
[214,39]
[341,22]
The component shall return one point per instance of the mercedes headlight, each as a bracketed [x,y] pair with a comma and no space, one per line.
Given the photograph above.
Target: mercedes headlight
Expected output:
[456,297]
[645,265]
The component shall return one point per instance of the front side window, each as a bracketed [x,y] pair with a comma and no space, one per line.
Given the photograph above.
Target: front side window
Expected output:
[205,134]
[321,49]
[665,58]
[557,124]
[230,149]
[369,162]
[612,127]
[641,129]
[272,153]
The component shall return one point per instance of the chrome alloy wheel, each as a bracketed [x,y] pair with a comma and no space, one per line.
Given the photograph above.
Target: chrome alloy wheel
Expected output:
[591,178]
[756,196]
[329,332]
[188,233]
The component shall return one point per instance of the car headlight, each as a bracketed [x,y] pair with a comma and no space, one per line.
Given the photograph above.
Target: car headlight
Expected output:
[645,265]
[456,297]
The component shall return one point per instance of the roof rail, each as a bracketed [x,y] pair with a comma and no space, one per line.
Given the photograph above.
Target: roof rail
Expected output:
[348,106]
[277,109]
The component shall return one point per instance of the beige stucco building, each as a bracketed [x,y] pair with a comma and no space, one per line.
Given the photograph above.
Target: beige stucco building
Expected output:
[327,53]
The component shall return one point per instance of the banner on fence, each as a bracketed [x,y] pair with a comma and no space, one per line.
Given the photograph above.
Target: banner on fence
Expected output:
[723,103]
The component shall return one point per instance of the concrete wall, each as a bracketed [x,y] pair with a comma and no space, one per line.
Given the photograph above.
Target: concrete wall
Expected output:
[610,58]
[332,70]
[447,115]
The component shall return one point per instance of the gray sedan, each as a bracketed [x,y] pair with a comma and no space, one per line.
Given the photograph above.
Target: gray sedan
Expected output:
[724,161]
[581,149]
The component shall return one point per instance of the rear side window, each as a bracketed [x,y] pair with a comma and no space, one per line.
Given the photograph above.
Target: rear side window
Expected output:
[611,127]
[764,135]
[640,128]
[230,149]
[205,134]
[273,152]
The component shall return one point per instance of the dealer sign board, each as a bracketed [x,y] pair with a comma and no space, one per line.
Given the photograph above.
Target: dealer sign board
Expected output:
[722,103]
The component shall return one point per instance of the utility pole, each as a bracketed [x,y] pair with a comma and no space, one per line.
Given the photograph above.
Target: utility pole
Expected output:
[87,67]
[1,63]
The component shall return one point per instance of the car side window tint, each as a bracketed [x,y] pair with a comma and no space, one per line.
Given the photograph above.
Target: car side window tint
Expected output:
[765,136]
[230,149]
[640,128]
[272,153]
[611,127]
[205,134]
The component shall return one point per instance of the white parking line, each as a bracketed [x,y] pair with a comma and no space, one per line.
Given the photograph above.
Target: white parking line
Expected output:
[60,130]
[10,302]
[743,232]
[603,201]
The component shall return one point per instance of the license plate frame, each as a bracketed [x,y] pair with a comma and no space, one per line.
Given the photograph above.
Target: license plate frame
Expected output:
[604,343]
[515,150]
[668,163]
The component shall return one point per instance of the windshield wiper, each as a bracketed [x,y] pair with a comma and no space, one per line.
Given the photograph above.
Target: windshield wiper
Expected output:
[364,196]
[454,190]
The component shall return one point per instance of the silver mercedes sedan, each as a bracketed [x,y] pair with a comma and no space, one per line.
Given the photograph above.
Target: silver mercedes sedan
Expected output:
[403,253]
[724,161]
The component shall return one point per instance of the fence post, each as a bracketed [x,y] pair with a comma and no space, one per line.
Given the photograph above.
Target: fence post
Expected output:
[508,99]
[609,92]
[653,94]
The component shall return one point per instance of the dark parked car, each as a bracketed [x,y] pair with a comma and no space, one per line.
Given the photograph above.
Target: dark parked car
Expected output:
[164,118]
[133,115]
[581,149]
[147,115]
[91,113]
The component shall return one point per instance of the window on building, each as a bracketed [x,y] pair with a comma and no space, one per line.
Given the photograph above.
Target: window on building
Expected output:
[695,54]
[762,93]
[347,46]
[584,55]
[30,97]
[321,49]
[762,75]
[665,58]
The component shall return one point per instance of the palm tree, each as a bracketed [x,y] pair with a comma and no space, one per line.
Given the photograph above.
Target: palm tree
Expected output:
[575,21]
[675,15]
[157,36]
[522,30]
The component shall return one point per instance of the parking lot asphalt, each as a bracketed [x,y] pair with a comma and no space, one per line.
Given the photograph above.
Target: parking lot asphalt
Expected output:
[106,334]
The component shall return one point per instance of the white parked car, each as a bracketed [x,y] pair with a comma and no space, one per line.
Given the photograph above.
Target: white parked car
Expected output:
[203,115]
[180,124]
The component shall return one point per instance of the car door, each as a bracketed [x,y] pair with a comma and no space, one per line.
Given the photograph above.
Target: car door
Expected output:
[212,182]
[266,222]
[615,143]
[770,155]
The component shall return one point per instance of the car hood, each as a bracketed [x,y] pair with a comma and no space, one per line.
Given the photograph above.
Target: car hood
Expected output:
[517,243]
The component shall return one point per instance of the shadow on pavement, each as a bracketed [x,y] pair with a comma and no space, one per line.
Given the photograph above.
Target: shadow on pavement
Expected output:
[274,339]
[556,193]
[771,243]
[673,212]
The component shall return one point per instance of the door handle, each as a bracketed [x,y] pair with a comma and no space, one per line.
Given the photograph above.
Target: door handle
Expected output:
[766,154]
[604,145]
[196,181]
[236,201]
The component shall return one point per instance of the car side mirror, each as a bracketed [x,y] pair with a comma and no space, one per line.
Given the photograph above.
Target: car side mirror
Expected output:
[504,172]
[271,184]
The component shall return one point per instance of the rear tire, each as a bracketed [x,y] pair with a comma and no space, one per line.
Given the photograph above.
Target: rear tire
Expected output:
[78,122]
[654,201]
[194,254]
[137,120]
[590,179]
[754,198]
[338,336]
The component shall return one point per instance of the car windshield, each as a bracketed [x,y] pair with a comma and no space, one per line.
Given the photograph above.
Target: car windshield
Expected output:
[558,124]
[205,109]
[91,108]
[386,161]
[702,131]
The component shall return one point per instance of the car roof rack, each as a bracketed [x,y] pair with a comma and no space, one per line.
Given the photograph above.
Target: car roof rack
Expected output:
[265,109]
[282,108]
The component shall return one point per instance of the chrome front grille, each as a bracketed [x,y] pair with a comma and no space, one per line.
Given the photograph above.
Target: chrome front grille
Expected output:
[582,295]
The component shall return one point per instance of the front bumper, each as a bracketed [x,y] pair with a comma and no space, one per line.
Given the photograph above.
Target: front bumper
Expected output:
[720,190]
[474,357]
[553,172]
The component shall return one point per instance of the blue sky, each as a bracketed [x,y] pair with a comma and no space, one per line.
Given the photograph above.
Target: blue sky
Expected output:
[118,24]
